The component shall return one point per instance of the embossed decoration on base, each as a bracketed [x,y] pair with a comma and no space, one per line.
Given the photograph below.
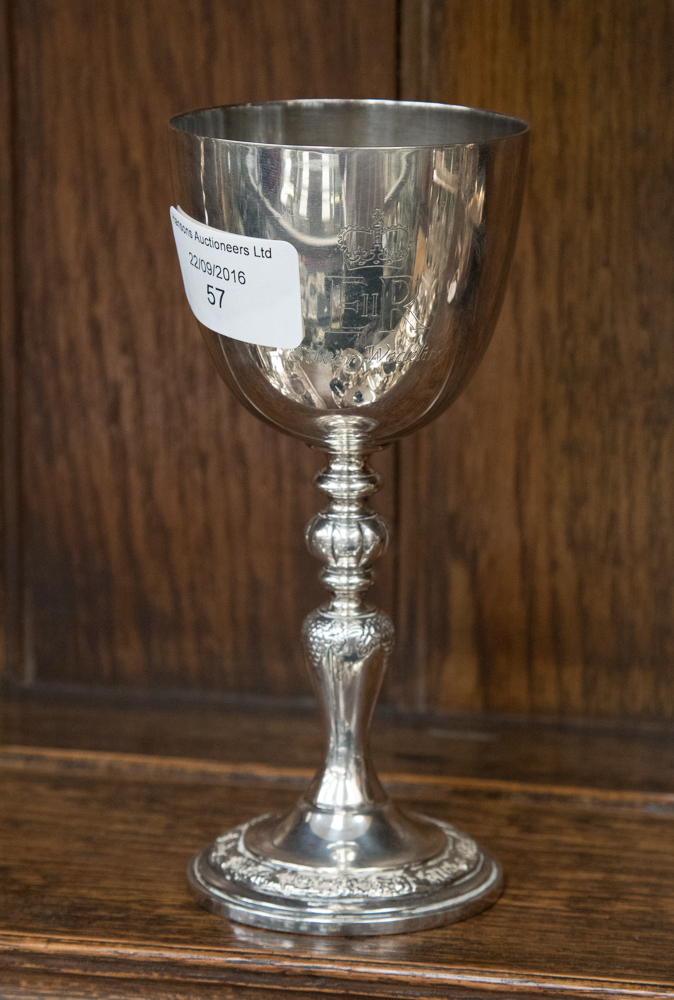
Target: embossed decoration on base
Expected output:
[230,880]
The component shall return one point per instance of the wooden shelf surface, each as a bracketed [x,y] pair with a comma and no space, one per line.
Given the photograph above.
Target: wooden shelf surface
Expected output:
[95,841]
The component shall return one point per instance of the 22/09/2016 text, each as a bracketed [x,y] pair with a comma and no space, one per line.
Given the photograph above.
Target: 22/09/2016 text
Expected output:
[217,270]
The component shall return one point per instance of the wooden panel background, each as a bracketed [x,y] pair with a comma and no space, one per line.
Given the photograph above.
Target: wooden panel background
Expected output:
[162,524]
[153,529]
[537,516]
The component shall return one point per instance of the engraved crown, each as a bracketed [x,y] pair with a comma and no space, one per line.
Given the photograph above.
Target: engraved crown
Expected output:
[374,245]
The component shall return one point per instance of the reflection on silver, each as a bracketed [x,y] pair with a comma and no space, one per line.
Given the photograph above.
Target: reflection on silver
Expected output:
[404,217]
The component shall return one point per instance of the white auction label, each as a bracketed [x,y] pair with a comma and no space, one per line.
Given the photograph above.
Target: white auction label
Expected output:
[244,288]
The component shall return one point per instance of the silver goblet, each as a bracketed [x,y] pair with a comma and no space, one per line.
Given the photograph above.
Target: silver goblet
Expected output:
[403,218]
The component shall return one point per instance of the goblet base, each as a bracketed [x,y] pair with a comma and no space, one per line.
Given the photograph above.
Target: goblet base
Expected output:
[230,880]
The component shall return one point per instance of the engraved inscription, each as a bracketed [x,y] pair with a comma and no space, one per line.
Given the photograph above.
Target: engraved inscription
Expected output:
[364,326]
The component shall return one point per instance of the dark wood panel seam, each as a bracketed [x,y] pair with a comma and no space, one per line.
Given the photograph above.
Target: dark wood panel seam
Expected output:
[11,613]
[398,49]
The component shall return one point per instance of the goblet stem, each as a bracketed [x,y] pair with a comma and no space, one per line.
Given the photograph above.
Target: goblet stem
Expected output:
[347,643]
[345,819]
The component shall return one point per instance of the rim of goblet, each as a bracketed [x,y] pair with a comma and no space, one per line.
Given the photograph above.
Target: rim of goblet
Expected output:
[496,116]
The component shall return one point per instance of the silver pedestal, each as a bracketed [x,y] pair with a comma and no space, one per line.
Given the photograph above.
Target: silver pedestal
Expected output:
[345,859]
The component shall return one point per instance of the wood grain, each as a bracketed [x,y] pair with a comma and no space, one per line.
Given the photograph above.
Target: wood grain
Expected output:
[21,984]
[93,882]
[537,517]
[163,525]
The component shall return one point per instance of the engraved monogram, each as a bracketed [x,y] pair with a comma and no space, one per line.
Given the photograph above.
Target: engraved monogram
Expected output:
[460,857]
[353,301]
[358,299]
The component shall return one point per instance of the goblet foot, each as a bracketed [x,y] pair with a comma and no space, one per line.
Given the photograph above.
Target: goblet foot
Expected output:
[233,880]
